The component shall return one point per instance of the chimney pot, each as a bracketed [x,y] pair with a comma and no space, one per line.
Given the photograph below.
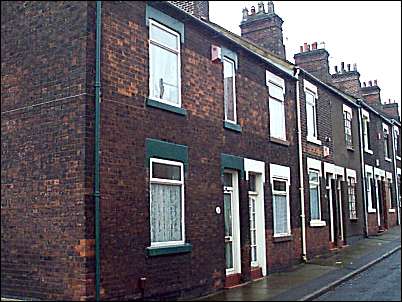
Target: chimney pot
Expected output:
[253,10]
[364,84]
[343,66]
[301,48]
[308,47]
[336,69]
[370,83]
[314,45]
[261,7]
[270,7]
[375,82]
[354,66]
[305,46]
[348,67]
[245,13]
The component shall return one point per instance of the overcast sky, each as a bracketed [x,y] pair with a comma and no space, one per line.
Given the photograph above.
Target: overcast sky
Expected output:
[367,33]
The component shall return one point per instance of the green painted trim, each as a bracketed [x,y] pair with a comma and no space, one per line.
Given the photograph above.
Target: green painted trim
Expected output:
[232,162]
[168,250]
[156,104]
[166,150]
[231,126]
[157,15]
[231,55]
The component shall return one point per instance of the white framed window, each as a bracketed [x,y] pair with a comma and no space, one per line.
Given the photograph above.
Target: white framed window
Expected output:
[386,142]
[315,204]
[352,198]
[397,147]
[164,64]
[347,124]
[280,182]
[276,89]
[311,96]
[166,202]
[253,194]
[366,132]
[229,87]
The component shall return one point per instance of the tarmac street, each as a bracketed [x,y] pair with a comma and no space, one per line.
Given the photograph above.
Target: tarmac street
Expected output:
[381,282]
[308,281]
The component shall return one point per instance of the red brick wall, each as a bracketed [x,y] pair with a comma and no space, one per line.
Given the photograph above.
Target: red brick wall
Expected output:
[46,240]
[124,177]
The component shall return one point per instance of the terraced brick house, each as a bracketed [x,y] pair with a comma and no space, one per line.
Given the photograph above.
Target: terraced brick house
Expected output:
[148,153]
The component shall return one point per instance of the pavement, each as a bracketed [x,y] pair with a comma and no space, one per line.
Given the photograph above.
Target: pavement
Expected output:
[307,281]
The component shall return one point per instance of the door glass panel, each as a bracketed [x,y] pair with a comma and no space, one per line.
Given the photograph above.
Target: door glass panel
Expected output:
[228,214]
[229,255]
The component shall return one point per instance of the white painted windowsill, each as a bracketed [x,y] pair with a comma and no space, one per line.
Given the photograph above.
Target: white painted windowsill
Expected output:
[398,157]
[388,159]
[317,223]
[372,210]
[314,140]
[368,151]
[391,210]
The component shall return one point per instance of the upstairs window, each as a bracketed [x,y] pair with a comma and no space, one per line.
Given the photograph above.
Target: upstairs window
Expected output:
[311,112]
[347,123]
[366,131]
[276,89]
[229,88]
[164,62]
[386,142]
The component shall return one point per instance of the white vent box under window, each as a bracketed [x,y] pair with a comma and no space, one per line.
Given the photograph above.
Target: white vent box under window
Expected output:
[325,150]
[216,53]
[379,135]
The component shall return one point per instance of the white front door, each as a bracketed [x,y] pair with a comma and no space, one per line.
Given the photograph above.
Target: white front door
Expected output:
[232,225]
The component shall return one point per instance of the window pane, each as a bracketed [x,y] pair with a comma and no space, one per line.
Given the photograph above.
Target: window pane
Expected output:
[310,99]
[252,182]
[166,213]
[280,185]
[310,120]
[228,74]
[227,180]
[164,74]
[314,200]
[275,91]
[313,176]
[281,215]
[277,117]
[166,171]
[163,37]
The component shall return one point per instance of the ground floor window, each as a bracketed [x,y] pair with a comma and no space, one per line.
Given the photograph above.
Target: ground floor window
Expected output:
[352,198]
[166,202]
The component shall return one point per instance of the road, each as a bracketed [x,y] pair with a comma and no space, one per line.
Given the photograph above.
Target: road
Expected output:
[381,282]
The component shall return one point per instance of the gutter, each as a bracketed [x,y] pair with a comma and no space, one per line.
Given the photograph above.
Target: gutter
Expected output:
[97,150]
[395,174]
[365,206]
[301,173]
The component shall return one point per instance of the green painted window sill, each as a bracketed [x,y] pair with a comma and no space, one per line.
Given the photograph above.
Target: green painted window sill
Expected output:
[156,104]
[168,250]
[232,126]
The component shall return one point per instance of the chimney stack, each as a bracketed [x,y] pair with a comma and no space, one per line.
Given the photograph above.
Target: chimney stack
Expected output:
[371,95]
[348,80]
[314,60]
[264,28]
